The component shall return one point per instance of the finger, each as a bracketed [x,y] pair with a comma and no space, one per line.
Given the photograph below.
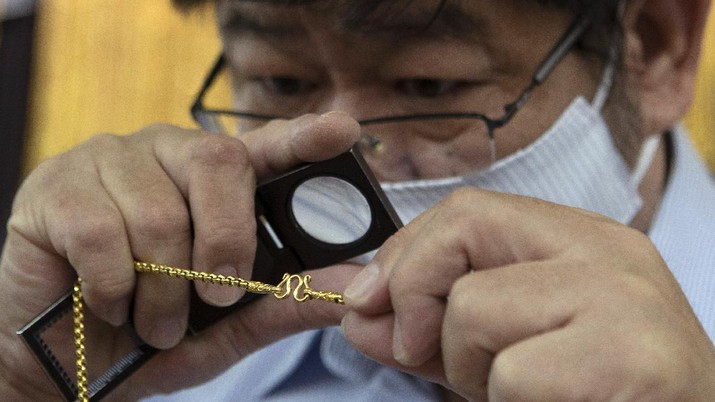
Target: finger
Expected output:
[214,176]
[158,229]
[95,243]
[417,297]
[419,285]
[39,241]
[369,291]
[98,249]
[414,281]
[221,188]
[372,335]
[283,144]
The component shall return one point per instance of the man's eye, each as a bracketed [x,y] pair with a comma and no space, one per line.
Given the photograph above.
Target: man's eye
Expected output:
[286,86]
[427,87]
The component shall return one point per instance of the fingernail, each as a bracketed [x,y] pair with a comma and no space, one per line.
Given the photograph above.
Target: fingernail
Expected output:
[362,285]
[333,113]
[343,323]
[223,295]
[398,348]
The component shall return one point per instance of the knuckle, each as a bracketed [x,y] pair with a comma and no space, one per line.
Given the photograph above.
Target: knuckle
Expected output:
[650,364]
[458,206]
[396,241]
[461,300]
[462,317]
[641,292]
[640,288]
[110,285]
[461,197]
[92,232]
[156,130]
[103,141]
[465,314]
[216,150]
[464,192]
[46,171]
[156,220]
[233,239]
[459,304]
[506,377]
[160,128]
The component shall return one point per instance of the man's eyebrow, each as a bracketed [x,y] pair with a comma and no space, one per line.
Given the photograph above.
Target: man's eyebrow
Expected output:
[451,21]
[239,23]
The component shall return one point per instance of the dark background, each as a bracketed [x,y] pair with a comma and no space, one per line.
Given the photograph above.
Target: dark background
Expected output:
[16,38]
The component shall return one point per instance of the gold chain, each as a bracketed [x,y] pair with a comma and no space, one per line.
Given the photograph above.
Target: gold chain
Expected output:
[78,313]
[301,293]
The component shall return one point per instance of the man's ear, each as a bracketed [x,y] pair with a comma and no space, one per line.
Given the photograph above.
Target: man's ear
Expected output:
[662,40]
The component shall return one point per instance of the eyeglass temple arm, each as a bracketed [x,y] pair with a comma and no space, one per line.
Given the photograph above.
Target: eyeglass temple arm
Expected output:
[197,106]
[562,48]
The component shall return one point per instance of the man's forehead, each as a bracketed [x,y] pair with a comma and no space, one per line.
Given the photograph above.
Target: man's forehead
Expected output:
[389,18]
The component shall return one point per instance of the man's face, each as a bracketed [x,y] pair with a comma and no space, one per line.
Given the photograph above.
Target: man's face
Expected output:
[476,57]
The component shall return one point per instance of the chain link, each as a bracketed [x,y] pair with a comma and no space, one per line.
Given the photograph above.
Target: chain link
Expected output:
[302,292]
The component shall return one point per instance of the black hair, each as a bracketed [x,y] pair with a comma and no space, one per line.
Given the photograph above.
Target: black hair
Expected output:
[598,41]
[367,7]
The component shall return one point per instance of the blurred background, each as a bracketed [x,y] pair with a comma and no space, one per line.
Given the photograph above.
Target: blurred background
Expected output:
[71,69]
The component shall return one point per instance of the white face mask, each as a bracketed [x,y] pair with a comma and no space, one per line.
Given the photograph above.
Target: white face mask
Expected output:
[574,163]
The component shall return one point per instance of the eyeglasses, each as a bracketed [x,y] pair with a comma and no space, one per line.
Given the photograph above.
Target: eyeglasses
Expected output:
[475,131]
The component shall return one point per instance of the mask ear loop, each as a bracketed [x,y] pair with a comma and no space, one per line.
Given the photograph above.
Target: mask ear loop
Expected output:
[645,159]
[604,87]
[650,145]
[607,79]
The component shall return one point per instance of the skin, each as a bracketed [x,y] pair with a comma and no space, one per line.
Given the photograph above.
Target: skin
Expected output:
[593,309]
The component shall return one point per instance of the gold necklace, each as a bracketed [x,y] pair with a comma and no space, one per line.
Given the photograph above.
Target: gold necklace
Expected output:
[301,293]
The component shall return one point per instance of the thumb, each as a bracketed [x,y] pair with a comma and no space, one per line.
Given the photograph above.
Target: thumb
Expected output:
[283,144]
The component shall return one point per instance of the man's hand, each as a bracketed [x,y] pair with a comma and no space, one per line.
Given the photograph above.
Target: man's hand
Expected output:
[511,298]
[166,195]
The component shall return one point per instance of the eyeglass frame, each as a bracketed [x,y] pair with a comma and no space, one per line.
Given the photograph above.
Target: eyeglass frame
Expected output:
[558,52]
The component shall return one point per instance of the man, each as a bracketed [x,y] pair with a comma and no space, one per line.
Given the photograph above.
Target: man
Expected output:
[483,294]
